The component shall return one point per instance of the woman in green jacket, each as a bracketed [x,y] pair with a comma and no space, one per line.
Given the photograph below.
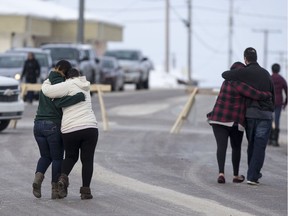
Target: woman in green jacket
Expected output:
[47,132]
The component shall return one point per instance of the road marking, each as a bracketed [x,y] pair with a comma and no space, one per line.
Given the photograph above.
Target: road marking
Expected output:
[201,205]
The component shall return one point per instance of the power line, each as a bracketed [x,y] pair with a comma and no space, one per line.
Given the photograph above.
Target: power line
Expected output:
[160,8]
[266,32]
[215,50]
[123,9]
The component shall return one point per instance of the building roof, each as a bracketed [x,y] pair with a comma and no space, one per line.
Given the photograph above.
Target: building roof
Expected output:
[45,9]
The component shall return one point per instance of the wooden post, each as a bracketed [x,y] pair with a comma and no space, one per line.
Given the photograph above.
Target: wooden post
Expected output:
[184,113]
[103,110]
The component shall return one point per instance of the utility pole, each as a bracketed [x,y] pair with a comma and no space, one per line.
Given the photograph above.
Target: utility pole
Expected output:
[230,33]
[167,36]
[266,32]
[80,27]
[189,51]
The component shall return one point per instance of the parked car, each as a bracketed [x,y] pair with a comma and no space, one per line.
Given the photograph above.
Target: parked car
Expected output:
[11,105]
[111,73]
[81,56]
[42,56]
[11,64]
[136,67]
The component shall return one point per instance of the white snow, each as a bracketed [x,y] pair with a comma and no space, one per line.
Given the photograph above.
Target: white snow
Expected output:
[45,9]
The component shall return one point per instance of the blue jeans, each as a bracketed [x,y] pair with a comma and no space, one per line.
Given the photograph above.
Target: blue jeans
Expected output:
[276,116]
[48,137]
[30,96]
[257,132]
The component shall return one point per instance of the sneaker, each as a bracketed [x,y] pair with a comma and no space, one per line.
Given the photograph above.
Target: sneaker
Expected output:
[253,182]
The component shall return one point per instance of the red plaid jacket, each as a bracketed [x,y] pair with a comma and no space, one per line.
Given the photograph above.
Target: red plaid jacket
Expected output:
[230,105]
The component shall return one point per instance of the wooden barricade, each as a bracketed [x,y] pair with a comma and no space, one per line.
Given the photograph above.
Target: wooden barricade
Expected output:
[193,91]
[184,113]
[99,88]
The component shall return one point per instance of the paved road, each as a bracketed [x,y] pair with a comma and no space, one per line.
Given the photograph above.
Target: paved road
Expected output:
[141,169]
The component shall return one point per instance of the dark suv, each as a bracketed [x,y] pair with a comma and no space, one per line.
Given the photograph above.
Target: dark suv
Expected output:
[81,56]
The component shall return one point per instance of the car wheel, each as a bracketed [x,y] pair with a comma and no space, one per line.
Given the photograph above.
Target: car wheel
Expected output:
[121,87]
[139,85]
[146,84]
[114,86]
[4,124]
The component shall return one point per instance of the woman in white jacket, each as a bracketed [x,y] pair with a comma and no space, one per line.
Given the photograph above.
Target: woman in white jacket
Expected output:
[79,130]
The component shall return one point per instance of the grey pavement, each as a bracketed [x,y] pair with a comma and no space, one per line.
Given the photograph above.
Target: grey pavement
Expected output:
[141,169]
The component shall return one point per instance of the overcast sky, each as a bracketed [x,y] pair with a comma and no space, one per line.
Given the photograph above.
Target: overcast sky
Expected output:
[144,20]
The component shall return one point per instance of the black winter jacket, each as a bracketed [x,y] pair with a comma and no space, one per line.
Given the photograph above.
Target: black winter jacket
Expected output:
[260,79]
[31,71]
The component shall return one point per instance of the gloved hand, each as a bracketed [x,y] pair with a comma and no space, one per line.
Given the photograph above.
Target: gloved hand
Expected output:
[81,95]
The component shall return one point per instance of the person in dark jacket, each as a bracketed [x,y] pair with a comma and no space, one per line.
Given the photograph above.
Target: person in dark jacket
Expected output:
[258,113]
[31,72]
[47,132]
[228,121]
[280,86]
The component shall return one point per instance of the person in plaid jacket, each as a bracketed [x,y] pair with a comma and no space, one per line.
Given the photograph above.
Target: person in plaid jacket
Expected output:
[228,120]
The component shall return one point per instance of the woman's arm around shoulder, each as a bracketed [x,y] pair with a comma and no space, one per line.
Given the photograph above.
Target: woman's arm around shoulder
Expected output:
[55,91]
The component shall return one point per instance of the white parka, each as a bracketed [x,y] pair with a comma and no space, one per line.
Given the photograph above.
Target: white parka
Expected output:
[78,116]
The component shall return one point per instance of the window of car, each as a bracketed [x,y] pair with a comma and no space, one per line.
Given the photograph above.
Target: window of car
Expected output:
[58,53]
[106,63]
[124,55]
[87,54]
[11,61]
[42,59]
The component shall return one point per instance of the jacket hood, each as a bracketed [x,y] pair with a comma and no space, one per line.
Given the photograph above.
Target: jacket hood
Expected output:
[81,82]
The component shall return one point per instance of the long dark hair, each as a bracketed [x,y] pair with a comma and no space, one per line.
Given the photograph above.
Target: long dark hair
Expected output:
[63,66]
[73,72]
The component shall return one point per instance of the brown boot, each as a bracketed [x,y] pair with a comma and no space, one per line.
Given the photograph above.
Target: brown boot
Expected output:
[63,184]
[85,193]
[54,194]
[37,184]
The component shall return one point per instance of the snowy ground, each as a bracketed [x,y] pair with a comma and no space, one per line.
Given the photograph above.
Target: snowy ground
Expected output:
[161,79]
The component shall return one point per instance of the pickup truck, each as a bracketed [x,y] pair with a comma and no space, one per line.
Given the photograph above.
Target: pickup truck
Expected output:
[11,105]
[81,56]
[136,67]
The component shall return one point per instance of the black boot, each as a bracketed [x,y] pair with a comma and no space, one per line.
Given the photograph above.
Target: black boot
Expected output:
[63,184]
[85,193]
[275,137]
[271,137]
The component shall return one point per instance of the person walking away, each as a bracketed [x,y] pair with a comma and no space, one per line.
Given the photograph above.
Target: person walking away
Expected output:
[258,113]
[79,131]
[31,72]
[280,86]
[228,120]
[47,132]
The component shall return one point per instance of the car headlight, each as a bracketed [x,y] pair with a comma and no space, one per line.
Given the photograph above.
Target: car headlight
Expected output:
[17,76]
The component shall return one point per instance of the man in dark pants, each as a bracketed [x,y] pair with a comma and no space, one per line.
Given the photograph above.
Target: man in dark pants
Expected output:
[280,85]
[258,113]
[31,72]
